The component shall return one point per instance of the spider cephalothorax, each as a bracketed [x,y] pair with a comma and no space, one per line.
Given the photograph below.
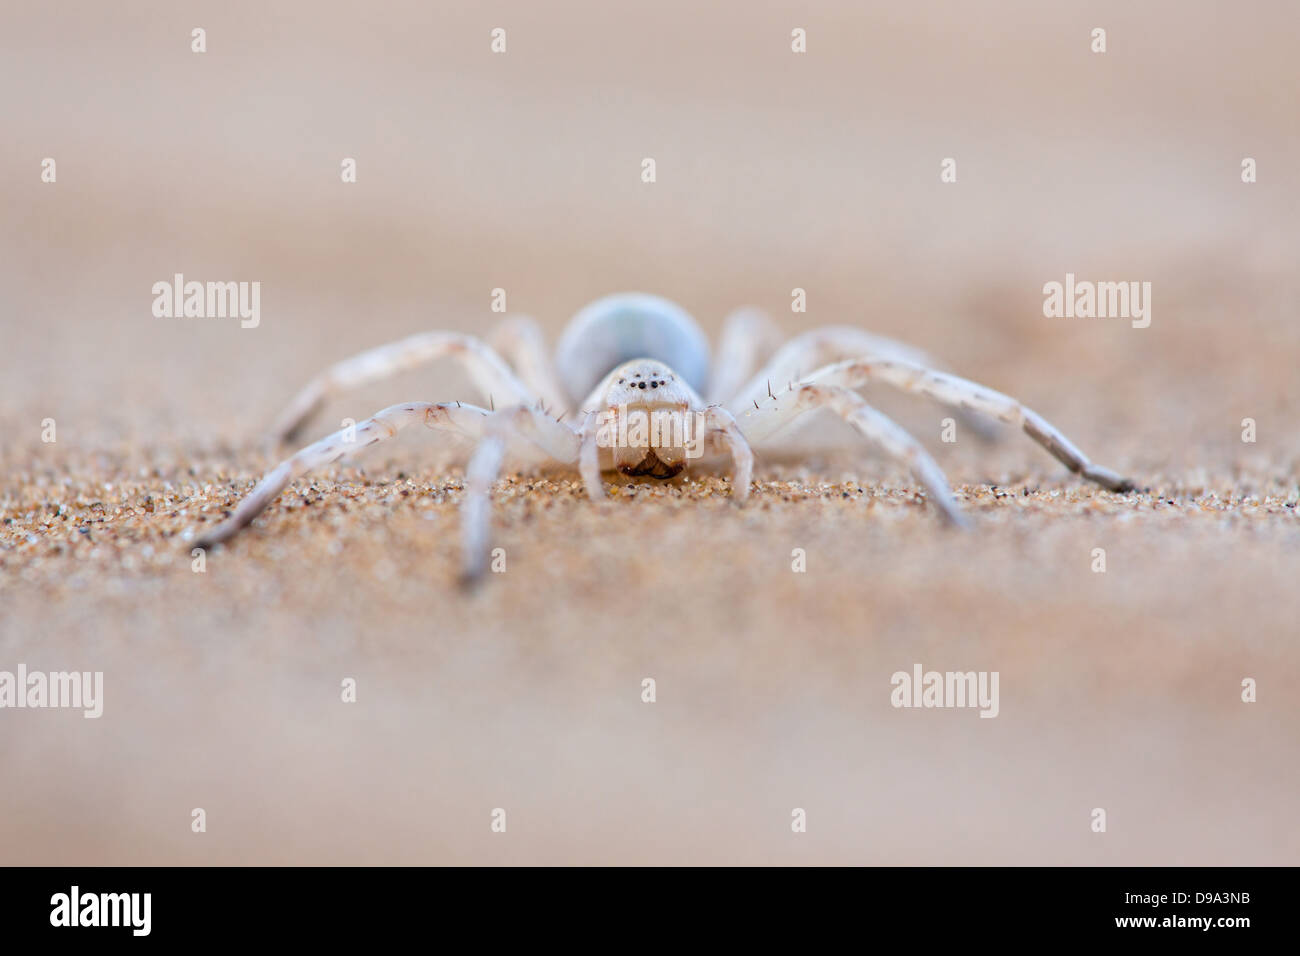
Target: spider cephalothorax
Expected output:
[632,376]
[650,419]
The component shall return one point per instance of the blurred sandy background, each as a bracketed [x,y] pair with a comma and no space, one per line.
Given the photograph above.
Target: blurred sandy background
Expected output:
[821,171]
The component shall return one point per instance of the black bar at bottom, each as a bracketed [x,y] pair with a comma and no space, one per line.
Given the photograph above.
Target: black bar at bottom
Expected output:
[335,905]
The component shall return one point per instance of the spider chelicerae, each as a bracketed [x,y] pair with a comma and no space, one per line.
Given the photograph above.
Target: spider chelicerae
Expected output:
[630,387]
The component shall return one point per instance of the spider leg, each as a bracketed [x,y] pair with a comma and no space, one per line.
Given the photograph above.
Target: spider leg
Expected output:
[720,423]
[834,343]
[748,340]
[873,425]
[465,419]
[589,457]
[952,390]
[558,440]
[520,342]
[485,367]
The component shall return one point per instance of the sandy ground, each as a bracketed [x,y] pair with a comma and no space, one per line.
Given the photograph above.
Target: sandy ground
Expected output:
[1119,690]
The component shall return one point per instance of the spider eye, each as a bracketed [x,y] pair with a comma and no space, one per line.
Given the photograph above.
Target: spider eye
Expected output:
[654,384]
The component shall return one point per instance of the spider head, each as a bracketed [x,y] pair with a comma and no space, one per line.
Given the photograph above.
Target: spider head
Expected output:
[648,422]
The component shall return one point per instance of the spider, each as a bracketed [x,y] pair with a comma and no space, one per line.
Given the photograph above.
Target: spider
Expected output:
[652,402]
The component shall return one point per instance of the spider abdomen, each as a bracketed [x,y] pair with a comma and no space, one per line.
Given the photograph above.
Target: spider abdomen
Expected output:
[631,325]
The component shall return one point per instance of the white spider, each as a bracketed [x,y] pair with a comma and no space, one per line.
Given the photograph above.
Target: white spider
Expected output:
[643,365]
